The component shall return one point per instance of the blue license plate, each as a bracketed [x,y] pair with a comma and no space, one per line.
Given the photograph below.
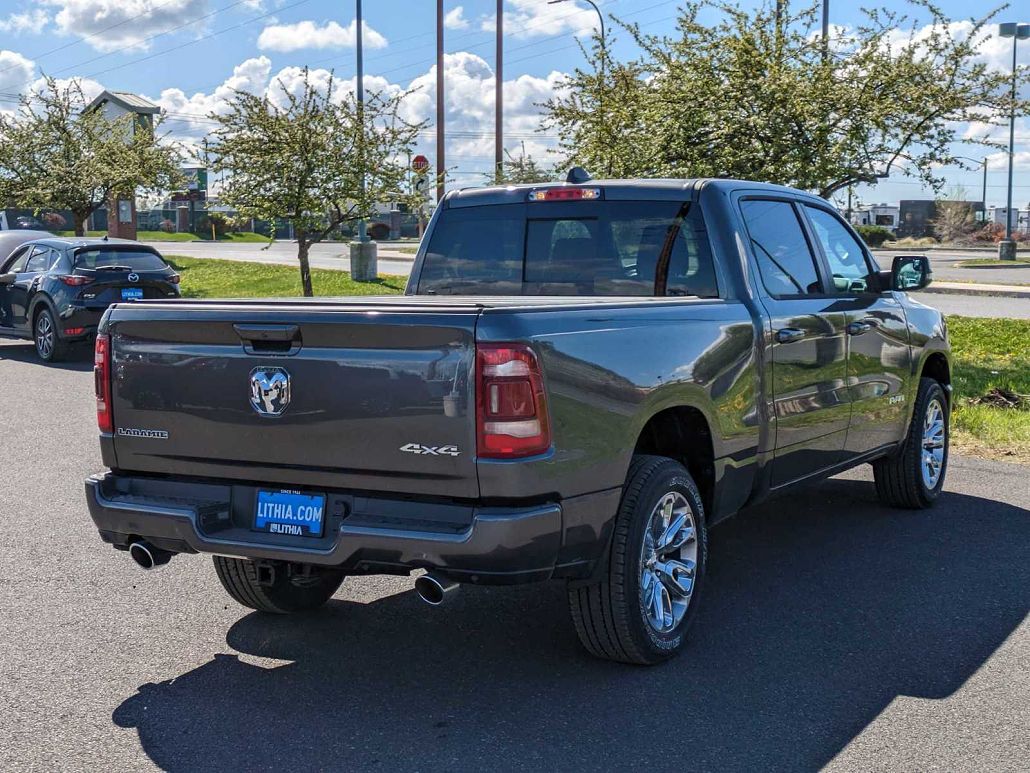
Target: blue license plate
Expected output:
[132,293]
[289,512]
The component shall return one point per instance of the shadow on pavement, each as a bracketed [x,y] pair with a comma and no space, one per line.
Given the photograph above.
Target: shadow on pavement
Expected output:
[80,358]
[821,608]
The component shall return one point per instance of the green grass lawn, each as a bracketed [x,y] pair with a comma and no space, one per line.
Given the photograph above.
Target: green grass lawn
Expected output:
[204,278]
[992,366]
[990,262]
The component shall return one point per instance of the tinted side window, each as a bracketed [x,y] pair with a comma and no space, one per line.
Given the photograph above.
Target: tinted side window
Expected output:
[845,255]
[39,260]
[778,241]
[16,264]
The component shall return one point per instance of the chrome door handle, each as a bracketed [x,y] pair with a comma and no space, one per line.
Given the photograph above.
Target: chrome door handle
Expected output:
[789,334]
[858,328]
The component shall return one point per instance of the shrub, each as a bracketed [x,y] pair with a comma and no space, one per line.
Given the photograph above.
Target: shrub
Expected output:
[874,235]
[167,226]
[54,221]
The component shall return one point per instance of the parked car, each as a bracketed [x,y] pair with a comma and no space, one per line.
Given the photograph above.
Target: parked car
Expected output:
[579,381]
[11,240]
[54,290]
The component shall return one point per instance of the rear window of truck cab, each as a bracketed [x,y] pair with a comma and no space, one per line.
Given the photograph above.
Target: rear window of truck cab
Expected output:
[589,248]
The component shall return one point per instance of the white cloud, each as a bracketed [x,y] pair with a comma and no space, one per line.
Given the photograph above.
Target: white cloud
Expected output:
[15,71]
[537,18]
[187,116]
[116,25]
[307,34]
[32,22]
[455,19]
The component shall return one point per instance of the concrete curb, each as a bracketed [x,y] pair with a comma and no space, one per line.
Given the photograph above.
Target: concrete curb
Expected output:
[961,288]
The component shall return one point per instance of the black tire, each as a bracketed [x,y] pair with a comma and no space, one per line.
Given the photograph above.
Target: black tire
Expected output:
[50,347]
[279,588]
[899,477]
[609,616]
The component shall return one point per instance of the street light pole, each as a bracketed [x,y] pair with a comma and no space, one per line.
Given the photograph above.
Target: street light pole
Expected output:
[600,93]
[1007,248]
[499,96]
[364,261]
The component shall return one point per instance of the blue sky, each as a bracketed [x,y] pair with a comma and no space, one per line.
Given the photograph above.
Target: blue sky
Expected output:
[186,54]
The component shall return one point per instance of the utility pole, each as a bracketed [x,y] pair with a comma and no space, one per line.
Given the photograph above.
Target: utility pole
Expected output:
[362,232]
[499,95]
[440,159]
[826,29]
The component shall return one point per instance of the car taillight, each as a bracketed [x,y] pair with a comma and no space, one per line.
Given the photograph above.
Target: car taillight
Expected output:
[75,280]
[511,406]
[174,279]
[102,382]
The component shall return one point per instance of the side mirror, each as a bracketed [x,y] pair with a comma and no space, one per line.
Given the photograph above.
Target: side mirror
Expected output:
[7,279]
[910,272]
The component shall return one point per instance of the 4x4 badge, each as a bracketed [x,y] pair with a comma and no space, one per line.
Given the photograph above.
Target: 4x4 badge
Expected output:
[418,448]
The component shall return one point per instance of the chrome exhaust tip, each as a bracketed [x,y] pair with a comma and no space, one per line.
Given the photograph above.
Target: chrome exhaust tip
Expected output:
[433,589]
[147,556]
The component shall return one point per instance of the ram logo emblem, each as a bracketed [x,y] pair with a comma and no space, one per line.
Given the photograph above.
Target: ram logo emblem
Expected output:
[269,391]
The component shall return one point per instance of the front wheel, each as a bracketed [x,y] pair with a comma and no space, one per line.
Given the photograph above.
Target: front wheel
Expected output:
[280,588]
[914,476]
[641,609]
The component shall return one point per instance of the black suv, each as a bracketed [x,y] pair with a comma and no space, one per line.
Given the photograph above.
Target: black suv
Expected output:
[55,290]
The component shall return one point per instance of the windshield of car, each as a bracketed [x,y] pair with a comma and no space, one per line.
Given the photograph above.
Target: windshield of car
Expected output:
[134,260]
[592,248]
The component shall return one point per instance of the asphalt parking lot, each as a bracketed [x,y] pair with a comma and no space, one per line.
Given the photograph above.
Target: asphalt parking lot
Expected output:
[834,633]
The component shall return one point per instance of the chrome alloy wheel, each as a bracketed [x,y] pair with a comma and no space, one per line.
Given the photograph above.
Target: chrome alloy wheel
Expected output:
[933,444]
[44,336]
[668,561]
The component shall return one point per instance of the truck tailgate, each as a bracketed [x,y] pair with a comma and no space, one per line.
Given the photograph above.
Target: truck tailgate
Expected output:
[298,394]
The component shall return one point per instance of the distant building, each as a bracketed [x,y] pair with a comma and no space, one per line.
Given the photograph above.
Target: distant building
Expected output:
[1020,218]
[916,219]
[885,215]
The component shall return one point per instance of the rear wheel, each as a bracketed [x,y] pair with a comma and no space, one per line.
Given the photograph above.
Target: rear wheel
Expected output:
[49,345]
[913,477]
[279,587]
[641,609]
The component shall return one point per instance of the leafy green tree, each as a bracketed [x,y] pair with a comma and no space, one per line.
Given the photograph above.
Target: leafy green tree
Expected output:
[56,155]
[313,157]
[758,95]
[520,169]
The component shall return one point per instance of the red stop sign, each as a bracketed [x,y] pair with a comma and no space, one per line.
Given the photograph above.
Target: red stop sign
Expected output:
[420,163]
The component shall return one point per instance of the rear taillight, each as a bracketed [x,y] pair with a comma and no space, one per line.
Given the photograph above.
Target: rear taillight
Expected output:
[75,280]
[174,279]
[511,407]
[102,382]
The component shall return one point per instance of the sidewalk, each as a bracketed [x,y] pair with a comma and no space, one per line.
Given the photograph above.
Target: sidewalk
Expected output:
[978,288]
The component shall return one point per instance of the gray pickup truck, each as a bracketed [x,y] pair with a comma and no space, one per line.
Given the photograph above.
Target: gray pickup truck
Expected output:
[578,382]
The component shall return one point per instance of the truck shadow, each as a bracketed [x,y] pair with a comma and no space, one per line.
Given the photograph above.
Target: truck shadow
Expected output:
[80,357]
[821,608]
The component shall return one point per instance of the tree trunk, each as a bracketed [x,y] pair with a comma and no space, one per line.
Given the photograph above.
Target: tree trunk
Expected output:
[80,222]
[305,267]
